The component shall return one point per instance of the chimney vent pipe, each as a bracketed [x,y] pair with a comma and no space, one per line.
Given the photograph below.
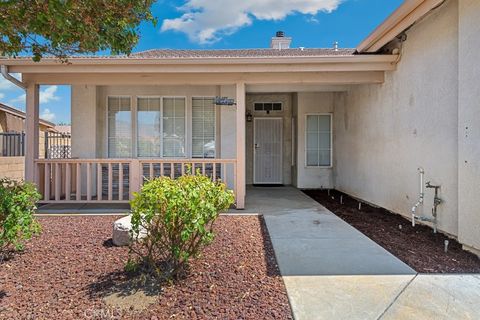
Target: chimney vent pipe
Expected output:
[280,41]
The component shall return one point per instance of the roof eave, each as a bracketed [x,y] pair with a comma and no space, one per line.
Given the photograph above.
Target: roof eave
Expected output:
[401,19]
[198,60]
[206,65]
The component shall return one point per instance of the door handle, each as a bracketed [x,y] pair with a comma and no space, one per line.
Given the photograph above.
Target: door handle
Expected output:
[257,146]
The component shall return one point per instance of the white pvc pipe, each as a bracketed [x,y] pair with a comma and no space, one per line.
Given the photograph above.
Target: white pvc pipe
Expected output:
[422,185]
[421,172]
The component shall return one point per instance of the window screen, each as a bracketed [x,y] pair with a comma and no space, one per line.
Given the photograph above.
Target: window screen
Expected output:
[203,128]
[119,127]
[174,127]
[318,140]
[148,127]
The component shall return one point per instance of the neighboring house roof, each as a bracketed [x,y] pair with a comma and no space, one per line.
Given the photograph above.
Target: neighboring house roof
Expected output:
[400,20]
[64,128]
[20,114]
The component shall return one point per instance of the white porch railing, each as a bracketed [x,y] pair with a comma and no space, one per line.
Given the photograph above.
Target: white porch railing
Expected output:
[114,180]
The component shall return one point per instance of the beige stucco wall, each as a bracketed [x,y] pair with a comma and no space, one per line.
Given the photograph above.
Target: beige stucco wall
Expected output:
[286,115]
[469,124]
[383,133]
[305,103]
[228,125]
[227,130]
[84,125]
[12,167]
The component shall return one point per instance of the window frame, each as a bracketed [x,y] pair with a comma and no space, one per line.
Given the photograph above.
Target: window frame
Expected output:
[188,142]
[191,126]
[306,137]
[267,111]
[185,143]
[107,126]
[136,126]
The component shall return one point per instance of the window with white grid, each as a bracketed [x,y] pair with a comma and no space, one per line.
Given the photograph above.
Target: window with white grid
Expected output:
[203,127]
[119,127]
[318,140]
[173,127]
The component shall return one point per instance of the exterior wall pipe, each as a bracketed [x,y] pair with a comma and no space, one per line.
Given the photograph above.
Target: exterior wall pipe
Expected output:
[12,79]
[421,195]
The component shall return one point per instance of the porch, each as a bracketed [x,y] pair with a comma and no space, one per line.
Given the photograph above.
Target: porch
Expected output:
[138,118]
[286,138]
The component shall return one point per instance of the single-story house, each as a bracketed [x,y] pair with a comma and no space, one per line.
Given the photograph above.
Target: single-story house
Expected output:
[12,120]
[369,121]
[12,136]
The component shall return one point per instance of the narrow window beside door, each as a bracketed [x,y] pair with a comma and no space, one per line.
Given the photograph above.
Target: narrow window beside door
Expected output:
[203,128]
[319,140]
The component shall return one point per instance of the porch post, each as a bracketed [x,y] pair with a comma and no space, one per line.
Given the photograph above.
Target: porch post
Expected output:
[31,131]
[135,183]
[240,144]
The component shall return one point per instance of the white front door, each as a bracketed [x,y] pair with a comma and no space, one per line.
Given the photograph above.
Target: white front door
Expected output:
[267,142]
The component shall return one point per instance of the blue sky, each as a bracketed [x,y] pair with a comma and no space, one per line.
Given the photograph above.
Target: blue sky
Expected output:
[222,24]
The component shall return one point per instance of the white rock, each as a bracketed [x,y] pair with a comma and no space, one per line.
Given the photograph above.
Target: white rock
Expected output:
[121,231]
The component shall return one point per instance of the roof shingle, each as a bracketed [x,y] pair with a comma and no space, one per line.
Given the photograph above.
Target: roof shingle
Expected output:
[240,53]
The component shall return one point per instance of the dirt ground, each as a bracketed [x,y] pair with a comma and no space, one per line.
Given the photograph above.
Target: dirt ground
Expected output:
[72,271]
[417,246]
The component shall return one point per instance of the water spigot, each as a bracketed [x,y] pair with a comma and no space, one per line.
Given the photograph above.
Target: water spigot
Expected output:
[431,186]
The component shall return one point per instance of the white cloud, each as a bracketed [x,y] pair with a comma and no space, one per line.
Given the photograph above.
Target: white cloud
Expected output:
[2,95]
[20,99]
[206,21]
[47,115]
[313,19]
[46,95]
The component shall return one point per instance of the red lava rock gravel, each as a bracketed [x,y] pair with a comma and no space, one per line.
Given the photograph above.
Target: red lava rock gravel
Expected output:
[66,272]
[417,246]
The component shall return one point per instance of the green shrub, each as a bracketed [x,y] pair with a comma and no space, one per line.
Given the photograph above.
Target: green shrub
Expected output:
[17,205]
[176,217]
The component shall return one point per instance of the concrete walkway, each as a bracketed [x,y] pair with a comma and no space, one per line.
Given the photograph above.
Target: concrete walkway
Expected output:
[333,271]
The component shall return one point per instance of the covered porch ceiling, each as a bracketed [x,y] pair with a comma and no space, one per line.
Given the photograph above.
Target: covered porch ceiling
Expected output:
[280,78]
